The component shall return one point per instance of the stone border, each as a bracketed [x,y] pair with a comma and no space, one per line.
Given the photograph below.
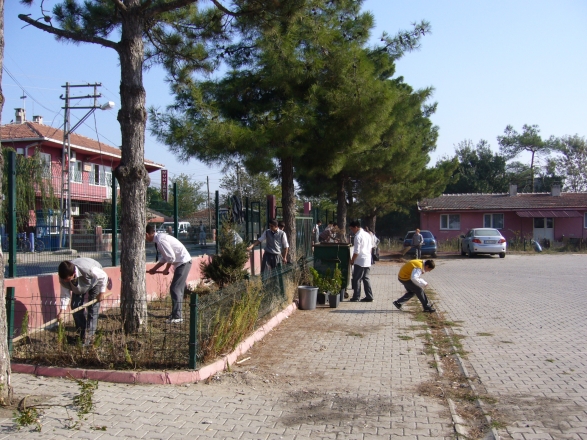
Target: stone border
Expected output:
[160,377]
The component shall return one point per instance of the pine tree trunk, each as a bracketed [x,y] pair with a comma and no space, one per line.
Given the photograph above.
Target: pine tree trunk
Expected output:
[370,221]
[131,172]
[341,209]
[288,201]
[5,388]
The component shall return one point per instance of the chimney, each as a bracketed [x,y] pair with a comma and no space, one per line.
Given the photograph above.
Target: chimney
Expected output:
[38,119]
[513,190]
[556,190]
[20,115]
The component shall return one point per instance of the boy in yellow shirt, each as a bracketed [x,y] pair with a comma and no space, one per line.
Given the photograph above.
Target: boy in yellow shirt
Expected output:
[409,276]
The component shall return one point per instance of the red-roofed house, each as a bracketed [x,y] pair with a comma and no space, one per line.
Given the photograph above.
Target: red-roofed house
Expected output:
[553,216]
[90,171]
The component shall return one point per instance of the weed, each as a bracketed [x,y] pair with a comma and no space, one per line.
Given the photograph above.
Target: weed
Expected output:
[506,342]
[405,337]
[27,416]
[496,424]
[484,334]
[549,360]
[83,403]
[359,335]
[24,327]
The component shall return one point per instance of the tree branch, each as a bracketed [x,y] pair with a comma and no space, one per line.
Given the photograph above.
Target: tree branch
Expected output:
[67,34]
[166,7]
[120,5]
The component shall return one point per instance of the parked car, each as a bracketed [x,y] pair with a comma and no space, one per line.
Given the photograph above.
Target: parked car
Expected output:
[184,228]
[429,247]
[483,241]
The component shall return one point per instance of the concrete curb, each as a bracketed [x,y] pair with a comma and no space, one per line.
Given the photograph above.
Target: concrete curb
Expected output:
[159,377]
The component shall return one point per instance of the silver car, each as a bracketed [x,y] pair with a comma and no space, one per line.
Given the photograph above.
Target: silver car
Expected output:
[483,241]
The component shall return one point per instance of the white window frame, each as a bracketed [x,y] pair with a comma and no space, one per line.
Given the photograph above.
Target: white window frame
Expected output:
[102,171]
[46,159]
[492,221]
[447,222]
[76,169]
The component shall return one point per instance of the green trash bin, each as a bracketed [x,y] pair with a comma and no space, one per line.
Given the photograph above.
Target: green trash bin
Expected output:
[328,255]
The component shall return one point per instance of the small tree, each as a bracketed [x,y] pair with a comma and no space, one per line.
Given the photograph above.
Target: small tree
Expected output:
[572,162]
[513,143]
[227,267]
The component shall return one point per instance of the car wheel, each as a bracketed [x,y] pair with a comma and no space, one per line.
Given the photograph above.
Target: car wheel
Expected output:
[434,255]
[470,253]
[463,253]
[502,255]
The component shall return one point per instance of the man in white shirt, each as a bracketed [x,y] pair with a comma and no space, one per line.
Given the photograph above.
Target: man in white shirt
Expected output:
[78,277]
[172,253]
[361,260]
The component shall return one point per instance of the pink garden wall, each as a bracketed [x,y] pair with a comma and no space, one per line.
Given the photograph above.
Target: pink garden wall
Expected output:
[39,295]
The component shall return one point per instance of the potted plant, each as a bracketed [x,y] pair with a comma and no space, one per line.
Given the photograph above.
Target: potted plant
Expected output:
[329,284]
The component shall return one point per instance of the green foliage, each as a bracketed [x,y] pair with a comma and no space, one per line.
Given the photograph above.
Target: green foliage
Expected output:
[479,171]
[190,195]
[572,161]
[24,326]
[27,416]
[255,186]
[227,267]
[512,144]
[330,282]
[83,403]
[32,181]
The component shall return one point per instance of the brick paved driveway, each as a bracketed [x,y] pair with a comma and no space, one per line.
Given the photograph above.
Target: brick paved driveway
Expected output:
[340,373]
[525,322]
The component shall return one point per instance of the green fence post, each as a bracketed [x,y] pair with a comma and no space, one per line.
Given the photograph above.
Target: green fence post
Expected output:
[247,219]
[193,331]
[10,317]
[11,177]
[114,224]
[175,212]
[217,202]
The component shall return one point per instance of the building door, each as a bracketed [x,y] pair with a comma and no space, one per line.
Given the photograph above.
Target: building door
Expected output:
[543,228]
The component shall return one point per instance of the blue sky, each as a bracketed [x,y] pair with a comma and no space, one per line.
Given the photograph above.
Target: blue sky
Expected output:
[491,64]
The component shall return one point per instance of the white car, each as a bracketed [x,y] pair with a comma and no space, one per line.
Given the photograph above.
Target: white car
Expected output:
[483,241]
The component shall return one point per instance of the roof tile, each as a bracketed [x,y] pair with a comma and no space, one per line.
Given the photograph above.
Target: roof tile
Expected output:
[462,202]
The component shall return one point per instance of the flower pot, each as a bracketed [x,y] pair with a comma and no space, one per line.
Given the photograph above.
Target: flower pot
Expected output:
[333,301]
[321,298]
[307,297]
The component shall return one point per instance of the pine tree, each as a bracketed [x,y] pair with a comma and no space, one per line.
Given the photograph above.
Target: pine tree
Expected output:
[295,84]
[147,34]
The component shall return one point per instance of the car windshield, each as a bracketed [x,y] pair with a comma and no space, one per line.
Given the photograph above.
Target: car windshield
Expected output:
[487,233]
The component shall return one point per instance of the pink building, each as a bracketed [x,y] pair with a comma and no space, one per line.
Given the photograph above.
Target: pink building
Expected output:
[90,168]
[554,216]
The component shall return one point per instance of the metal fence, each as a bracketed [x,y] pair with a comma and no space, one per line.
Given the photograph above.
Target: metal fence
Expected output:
[217,321]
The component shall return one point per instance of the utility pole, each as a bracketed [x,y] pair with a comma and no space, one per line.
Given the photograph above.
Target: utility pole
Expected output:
[66,154]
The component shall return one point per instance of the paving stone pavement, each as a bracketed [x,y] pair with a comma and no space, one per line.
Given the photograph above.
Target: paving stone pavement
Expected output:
[340,373]
[525,322]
